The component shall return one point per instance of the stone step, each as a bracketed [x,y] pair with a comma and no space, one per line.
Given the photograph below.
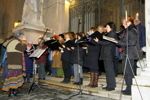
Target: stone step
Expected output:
[55,82]
[93,91]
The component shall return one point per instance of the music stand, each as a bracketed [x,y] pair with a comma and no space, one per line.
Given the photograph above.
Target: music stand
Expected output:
[80,43]
[36,54]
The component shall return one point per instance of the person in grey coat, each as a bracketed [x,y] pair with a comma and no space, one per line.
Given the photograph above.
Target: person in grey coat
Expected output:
[129,44]
[108,56]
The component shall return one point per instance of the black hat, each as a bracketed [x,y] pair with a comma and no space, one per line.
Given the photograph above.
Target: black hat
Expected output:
[79,35]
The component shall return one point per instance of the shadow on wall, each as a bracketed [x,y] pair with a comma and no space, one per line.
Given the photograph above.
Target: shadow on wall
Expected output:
[5,25]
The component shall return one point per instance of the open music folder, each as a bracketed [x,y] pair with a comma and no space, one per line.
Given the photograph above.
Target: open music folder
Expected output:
[37,53]
[110,39]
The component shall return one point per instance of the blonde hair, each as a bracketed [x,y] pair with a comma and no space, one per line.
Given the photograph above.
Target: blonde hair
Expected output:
[100,26]
[71,35]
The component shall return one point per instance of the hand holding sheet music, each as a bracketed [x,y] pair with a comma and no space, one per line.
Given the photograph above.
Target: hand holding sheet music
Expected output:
[110,39]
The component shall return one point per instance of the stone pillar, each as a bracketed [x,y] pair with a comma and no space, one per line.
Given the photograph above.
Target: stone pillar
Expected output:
[56,15]
[143,81]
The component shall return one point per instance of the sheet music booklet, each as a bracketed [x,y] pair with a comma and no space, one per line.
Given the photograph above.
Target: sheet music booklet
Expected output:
[110,39]
[37,53]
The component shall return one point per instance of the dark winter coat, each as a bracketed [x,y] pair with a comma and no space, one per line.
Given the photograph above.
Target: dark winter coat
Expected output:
[29,61]
[66,54]
[132,43]
[141,35]
[108,49]
[78,55]
[91,58]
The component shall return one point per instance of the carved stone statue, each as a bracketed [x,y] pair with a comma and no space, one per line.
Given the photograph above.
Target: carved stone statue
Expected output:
[32,12]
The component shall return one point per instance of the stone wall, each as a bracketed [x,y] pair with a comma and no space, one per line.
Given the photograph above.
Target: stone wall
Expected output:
[55,15]
[11,11]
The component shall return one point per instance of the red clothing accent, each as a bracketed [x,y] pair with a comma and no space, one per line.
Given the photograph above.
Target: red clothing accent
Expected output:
[120,49]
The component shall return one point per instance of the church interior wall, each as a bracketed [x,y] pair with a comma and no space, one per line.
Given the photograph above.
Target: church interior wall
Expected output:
[56,14]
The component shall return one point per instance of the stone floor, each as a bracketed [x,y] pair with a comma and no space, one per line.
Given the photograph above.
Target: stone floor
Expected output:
[50,93]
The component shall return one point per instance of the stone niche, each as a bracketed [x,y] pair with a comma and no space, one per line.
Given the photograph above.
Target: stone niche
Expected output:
[33,32]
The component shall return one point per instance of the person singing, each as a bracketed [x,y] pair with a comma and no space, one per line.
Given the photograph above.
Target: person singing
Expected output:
[107,54]
[65,57]
[129,45]
[77,60]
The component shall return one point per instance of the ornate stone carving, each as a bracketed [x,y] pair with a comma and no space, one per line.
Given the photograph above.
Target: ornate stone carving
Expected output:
[32,12]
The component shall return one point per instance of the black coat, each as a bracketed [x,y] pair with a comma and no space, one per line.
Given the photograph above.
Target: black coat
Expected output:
[66,55]
[78,55]
[108,49]
[91,58]
[132,43]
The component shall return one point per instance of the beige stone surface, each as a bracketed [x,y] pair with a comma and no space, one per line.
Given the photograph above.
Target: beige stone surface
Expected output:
[55,15]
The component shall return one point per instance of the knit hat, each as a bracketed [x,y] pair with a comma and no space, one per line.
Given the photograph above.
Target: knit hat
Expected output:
[56,36]
[18,34]
[30,42]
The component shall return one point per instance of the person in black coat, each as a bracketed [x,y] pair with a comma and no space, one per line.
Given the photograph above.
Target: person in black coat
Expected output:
[129,49]
[66,55]
[91,61]
[77,60]
[108,56]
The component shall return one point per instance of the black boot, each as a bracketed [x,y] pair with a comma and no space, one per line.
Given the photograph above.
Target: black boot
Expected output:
[67,80]
[17,92]
[11,93]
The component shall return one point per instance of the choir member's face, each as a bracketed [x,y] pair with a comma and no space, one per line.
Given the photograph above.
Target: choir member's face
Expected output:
[126,24]
[60,38]
[66,36]
[100,29]
[29,44]
[136,22]
[23,38]
[78,37]
[108,28]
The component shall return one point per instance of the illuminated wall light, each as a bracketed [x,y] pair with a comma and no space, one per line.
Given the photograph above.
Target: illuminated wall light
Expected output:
[17,23]
[67,2]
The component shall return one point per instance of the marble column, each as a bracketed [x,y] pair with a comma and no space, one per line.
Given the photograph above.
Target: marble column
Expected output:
[142,92]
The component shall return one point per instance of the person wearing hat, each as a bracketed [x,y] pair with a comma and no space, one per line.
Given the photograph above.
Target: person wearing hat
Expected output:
[29,61]
[57,63]
[14,77]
